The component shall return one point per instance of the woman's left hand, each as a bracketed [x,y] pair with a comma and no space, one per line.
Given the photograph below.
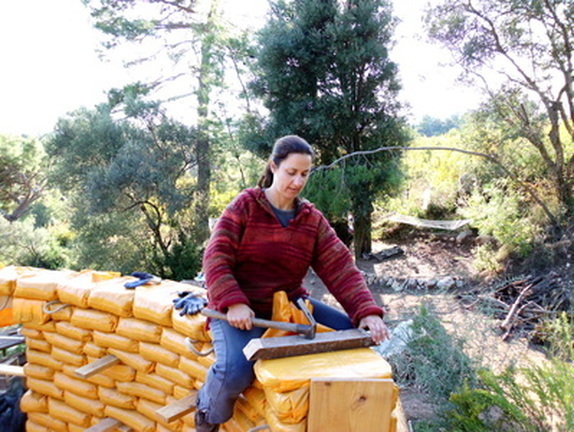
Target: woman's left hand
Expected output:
[378,329]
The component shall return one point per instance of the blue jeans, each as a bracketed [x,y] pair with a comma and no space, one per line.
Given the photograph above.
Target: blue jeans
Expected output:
[232,372]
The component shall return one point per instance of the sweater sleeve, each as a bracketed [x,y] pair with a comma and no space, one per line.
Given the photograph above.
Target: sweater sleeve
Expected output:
[334,264]
[220,257]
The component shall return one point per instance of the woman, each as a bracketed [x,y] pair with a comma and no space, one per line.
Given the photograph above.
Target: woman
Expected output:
[264,242]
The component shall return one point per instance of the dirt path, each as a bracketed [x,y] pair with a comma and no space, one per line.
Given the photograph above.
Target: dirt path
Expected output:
[435,258]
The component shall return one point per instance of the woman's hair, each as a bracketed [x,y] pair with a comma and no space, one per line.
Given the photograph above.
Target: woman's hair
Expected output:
[282,148]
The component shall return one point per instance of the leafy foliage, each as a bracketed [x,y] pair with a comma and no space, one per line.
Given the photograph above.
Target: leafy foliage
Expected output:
[325,74]
[520,51]
[131,198]
[22,175]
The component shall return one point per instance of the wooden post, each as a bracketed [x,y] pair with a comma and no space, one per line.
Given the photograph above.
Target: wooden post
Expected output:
[107,424]
[177,409]
[352,405]
[97,366]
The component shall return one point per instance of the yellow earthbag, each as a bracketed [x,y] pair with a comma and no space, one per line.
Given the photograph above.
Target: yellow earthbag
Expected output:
[32,370]
[156,381]
[148,409]
[113,340]
[61,411]
[85,405]
[159,354]
[286,374]
[97,379]
[193,368]
[92,350]
[38,344]
[6,312]
[33,402]
[77,386]
[256,399]
[43,359]
[177,376]
[35,427]
[289,407]
[111,296]
[72,345]
[117,399]
[154,302]
[131,418]
[90,319]
[31,333]
[76,289]
[67,357]
[40,285]
[142,391]
[139,330]
[277,425]
[8,277]
[26,311]
[192,326]
[120,372]
[44,387]
[71,331]
[47,421]
[133,360]
[174,341]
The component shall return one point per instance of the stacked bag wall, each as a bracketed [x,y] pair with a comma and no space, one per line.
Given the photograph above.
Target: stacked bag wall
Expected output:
[71,319]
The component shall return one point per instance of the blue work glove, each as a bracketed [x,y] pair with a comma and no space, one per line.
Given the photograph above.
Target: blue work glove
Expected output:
[189,303]
[143,279]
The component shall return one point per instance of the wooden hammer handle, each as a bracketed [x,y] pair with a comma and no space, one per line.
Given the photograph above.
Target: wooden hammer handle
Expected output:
[258,322]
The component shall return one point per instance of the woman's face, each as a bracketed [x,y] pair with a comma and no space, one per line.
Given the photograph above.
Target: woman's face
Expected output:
[290,177]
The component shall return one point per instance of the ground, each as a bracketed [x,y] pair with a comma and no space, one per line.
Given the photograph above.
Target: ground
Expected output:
[428,257]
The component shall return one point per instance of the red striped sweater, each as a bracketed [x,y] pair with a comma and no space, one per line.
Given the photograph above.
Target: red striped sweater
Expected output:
[250,256]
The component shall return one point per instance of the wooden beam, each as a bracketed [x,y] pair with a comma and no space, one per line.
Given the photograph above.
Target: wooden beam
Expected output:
[97,366]
[13,370]
[177,409]
[352,405]
[105,425]
[288,346]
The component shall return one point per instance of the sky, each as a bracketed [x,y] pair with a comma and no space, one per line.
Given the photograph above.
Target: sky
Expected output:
[52,64]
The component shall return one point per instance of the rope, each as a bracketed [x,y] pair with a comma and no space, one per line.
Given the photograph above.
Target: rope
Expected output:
[47,310]
[190,345]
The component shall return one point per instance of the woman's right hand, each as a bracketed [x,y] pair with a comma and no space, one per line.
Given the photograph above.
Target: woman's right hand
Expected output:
[239,315]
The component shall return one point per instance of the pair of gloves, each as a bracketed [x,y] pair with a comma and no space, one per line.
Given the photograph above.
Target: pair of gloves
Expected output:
[189,303]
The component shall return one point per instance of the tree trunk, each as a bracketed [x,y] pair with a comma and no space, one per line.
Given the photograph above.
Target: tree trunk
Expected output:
[203,147]
[362,238]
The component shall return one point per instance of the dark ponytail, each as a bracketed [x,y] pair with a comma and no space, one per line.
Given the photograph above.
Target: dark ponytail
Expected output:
[282,148]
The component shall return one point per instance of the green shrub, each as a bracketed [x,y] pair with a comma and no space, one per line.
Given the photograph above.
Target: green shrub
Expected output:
[433,361]
[536,398]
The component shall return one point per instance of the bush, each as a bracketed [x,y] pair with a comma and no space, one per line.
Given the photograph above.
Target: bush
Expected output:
[535,398]
[433,361]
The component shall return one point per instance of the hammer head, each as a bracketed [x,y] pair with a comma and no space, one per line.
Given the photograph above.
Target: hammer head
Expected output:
[308,331]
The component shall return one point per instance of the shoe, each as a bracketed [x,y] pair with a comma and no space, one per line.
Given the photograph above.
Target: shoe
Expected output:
[201,423]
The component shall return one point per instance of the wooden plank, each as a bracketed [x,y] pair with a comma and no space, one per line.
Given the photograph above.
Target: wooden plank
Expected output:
[399,413]
[177,409]
[288,346]
[13,370]
[97,366]
[351,405]
[105,425]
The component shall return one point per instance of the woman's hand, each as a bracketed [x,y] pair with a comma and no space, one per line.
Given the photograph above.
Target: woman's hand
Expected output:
[378,329]
[239,315]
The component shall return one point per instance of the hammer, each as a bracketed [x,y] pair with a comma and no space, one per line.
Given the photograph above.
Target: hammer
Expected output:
[305,330]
